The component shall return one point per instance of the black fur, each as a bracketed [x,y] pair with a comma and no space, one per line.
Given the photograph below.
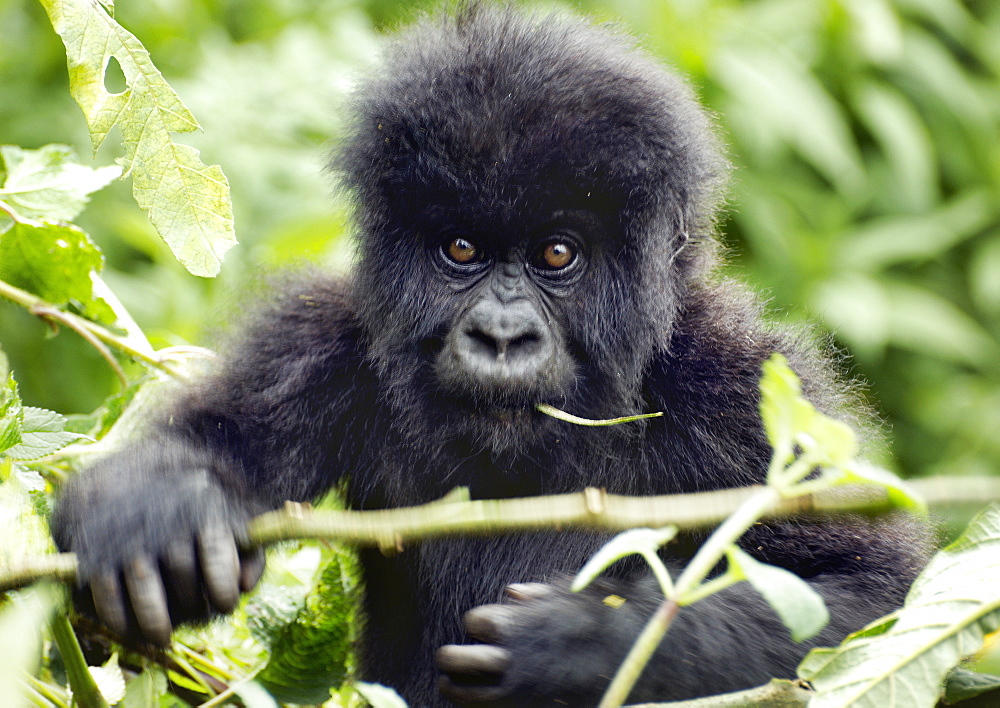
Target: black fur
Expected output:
[500,130]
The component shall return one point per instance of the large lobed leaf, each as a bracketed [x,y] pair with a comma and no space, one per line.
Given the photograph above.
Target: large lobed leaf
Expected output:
[310,645]
[187,201]
[902,661]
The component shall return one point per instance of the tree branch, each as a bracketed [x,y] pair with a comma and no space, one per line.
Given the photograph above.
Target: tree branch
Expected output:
[392,529]
[778,693]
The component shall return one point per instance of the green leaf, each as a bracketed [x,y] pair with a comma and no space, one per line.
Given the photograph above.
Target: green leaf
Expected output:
[786,98]
[887,241]
[782,409]
[21,623]
[790,420]
[963,684]
[49,183]
[11,413]
[187,201]
[925,322]
[577,420]
[253,695]
[902,661]
[43,432]
[799,606]
[901,494]
[831,441]
[872,313]
[641,541]
[145,690]
[110,680]
[54,261]
[877,30]
[984,285]
[25,531]
[309,654]
[379,696]
[906,144]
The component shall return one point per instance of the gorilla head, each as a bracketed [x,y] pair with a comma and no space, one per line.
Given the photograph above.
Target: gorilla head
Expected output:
[532,196]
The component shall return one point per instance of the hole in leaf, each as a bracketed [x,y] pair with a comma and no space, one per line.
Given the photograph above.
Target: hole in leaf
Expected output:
[114,77]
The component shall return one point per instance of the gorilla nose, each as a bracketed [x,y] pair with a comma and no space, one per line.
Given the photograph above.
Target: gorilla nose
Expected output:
[504,343]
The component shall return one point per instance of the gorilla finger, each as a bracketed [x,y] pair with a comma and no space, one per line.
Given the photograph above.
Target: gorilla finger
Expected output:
[181,565]
[465,694]
[489,623]
[528,591]
[220,564]
[109,602]
[149,600]
[251,568]
[473,660]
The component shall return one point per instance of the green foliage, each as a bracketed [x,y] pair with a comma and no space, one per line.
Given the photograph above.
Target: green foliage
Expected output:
[187,201]
[55,261]
[803,439]
[42,433]
[642,542]
[805,444]
[902,660]
[39,251]
[310,651]
[867,190]
[962,685]
[27,433]
[11,416]
[378,696]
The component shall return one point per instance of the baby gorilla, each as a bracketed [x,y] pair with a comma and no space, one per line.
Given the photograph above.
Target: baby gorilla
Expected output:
[535,200]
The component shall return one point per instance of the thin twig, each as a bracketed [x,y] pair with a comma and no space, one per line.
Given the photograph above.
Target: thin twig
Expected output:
[55,315]
[78,324]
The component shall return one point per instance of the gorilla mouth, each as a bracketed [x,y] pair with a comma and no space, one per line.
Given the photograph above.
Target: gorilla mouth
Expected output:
[510,416]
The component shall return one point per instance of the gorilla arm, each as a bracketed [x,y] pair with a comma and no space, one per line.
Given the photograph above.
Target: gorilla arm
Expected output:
[157,527]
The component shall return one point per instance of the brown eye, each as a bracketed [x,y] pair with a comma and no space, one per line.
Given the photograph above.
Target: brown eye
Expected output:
[556,255]
[461,251]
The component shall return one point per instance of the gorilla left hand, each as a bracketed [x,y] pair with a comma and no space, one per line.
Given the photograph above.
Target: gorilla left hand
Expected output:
[161,547]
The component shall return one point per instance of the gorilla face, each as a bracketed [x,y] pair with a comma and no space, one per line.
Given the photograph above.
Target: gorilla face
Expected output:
[501,300]
[503,322]
[507,346]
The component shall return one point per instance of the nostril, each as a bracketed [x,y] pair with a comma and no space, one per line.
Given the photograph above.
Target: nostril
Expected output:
[524,345]
[483,344]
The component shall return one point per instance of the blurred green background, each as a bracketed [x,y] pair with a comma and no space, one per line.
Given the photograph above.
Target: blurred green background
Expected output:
[865,133]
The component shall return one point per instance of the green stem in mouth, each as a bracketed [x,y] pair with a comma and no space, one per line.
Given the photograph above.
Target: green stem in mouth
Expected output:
[576,420]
